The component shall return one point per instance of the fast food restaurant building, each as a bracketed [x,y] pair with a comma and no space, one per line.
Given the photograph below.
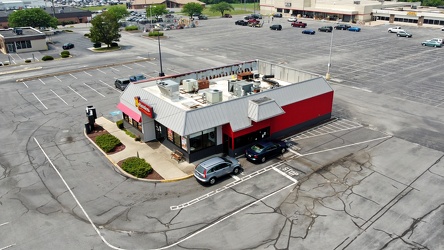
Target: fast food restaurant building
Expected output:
[225,109]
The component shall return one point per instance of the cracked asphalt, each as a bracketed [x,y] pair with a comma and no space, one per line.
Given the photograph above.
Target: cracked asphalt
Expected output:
[373,186]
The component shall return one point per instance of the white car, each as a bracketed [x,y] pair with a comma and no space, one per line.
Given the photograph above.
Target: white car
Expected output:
[442,29]
[292,19]
[439,40]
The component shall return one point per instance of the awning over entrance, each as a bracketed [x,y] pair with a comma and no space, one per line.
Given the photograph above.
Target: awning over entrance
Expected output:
[131,113]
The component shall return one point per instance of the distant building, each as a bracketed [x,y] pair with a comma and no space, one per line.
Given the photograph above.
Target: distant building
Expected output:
[24,39]
[63,14]
[142,4]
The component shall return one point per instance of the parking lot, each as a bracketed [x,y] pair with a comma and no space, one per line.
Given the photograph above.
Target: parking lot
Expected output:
[345,184]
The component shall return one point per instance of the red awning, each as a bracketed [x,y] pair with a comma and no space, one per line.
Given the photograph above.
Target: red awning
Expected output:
[135,115]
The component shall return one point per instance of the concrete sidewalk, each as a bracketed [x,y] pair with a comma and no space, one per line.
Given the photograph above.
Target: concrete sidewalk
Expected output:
[156,154]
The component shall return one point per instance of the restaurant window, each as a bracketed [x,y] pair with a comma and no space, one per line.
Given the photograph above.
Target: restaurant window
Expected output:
[132,122]
[23,44]
[252,137]
[203,139]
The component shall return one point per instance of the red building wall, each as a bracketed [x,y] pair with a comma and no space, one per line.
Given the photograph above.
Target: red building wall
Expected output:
[295,113]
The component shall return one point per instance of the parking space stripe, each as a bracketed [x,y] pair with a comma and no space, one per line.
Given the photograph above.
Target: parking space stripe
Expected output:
[6,223]
[57,78]
[294,152]
[235,177]
[39,101]
[42,81]
[127,67]
[77,93]
[229,185]
[139,64]
[72,76]
[101,71]
[87,73]
[58,96]
[93,89]
[285,175]
[114,69]
[111,87]
[6,247]
[25,85]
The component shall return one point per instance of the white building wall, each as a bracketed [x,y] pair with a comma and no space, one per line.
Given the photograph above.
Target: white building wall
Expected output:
[148,128]
[36,46]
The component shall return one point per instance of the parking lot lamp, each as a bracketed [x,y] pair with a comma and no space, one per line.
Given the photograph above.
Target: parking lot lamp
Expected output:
[327,76]
[160,55]
[151,18]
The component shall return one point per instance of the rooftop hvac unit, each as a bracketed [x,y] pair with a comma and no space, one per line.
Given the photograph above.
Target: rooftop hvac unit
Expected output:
[170,89]
[242,88]
[190,85]
[213,95]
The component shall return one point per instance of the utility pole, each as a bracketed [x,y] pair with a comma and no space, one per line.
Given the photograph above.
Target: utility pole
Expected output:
[53,8]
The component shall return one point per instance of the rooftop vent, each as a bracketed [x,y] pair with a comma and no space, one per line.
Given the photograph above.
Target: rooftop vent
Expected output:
[18,31]
[169,89]
[213,95]
[190,85]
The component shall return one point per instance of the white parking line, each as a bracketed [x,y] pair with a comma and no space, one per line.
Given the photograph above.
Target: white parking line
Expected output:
[77,93]
[226,217]
[127,67]
[111,87]
[25,85]
[229,185]
[58,96]
[19,56]
[294,152]
[349,145]
[152,63]
[3,248]
[140,65]
[101,71]
[114,69]
[72,76]
[6,223]
[40,101]
[58,78]
[42,81]
[173,70]
[235,177]
[285,175]
[93,89]
[87,73]
[75,198]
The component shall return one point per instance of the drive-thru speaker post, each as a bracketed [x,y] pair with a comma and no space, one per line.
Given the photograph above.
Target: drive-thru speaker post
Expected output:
[92,116]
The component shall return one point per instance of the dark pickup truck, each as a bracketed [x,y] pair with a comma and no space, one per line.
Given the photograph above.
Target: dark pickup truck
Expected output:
[298,24]
[342,27]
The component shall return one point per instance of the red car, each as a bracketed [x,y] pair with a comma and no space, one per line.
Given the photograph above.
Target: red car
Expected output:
[298,24]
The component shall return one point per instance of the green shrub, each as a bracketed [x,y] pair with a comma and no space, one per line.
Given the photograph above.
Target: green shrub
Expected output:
[114,45]
[97,45]
[119,124]
[107,142]
[27,61]
[155,33]
[47,58]
[65,54]
[130,133]
[131,27]
[87,35]
[137,167]
[68,30]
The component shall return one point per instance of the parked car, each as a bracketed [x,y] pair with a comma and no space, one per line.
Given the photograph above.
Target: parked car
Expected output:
[431,43]
[214,168]
[355,29]
[442,29]
[439,40]
[292,19]
[241,22]
[253,16]
[404,34]
[122,83]
[299,24]
[264,150]
[325,28]
[276,27]
[342,27]
[394,29]
[309,32]
[136,78]
[278,15]
[227,16]
[68,46]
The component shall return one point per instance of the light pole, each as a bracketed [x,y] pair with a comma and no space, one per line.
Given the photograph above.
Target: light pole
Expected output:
[151,18]
[327,76]
[160,56]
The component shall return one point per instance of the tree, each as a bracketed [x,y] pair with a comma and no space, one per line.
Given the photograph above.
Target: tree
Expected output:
[192,8]
[221,7]
[157,10]
[34,17]
[105,29]
[119,11]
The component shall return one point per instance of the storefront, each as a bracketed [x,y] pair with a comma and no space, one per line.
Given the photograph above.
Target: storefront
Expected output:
[220,110]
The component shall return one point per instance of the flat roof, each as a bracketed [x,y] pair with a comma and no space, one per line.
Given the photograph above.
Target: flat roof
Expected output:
[26,31]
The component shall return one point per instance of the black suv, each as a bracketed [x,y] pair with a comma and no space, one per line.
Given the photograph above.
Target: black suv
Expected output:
[68,46]
[342,27]
[326,28]
[276,27]
[122,83]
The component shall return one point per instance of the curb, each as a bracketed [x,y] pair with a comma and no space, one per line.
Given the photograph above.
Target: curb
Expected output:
[82,69]
[19,70]
[125,174]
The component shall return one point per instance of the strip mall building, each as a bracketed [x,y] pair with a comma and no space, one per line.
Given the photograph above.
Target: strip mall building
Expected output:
[225,109]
